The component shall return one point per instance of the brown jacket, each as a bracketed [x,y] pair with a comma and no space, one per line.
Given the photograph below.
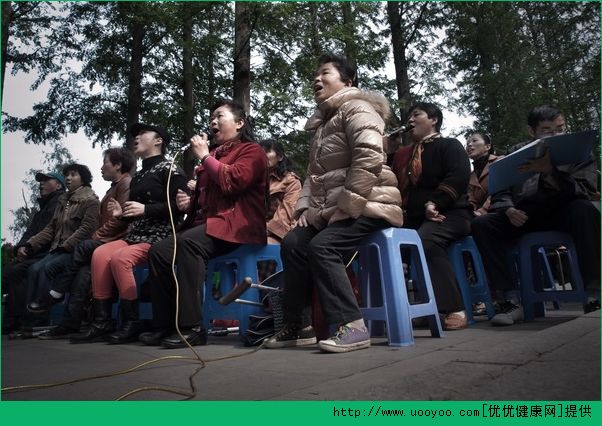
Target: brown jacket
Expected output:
[284,194]
[347,175]
[112,228]
[478,188]
[74,220]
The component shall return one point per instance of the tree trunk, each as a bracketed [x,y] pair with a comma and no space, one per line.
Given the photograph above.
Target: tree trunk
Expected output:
[242,54]
[187,86]
[349,36]
[394,10]
[315,45]
[7,10]
[135,74]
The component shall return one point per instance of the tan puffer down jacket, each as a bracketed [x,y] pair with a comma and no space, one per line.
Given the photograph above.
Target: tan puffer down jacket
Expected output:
[347,174]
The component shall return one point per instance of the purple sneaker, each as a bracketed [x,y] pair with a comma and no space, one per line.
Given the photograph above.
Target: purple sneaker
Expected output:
[346,339]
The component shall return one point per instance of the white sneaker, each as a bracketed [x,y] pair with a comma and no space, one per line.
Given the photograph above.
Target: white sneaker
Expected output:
[509,314]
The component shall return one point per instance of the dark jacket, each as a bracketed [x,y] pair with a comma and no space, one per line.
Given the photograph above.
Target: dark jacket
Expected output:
[75,219]
[234,208]
[148,187]
[41,218]
[543,191]
[444,178]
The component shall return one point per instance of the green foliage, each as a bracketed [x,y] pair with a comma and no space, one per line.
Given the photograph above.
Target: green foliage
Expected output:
[510,57]
[494,60]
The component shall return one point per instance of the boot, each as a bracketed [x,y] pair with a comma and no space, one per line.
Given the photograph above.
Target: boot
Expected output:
[101,325]
[131,326]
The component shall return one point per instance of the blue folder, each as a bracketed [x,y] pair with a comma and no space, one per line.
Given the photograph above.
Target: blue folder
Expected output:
[570,148]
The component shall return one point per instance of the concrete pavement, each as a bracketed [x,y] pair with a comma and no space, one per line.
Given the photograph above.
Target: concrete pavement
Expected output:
[551,358]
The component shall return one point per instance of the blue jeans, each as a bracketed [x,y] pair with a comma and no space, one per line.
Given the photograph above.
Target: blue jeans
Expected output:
[41,273]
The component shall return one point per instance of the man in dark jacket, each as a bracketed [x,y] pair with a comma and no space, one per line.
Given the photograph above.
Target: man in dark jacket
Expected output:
[14,276]
[556,198]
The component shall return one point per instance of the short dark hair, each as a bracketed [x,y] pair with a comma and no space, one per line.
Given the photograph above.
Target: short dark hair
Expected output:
[246,132]
[432,111]
[83,171]
[342,64]
[285,165]
[122,156]
[486,138]
[542,113]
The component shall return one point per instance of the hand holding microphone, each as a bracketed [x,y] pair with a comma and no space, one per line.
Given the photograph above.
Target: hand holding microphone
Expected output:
[199,145]
[208,138]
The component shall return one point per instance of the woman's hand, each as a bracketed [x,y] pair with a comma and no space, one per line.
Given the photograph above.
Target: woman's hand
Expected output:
[191,184]
[114,207]
[22,253]
[199,145]
[431,213]
[302,221]
[133,209]
[182,201]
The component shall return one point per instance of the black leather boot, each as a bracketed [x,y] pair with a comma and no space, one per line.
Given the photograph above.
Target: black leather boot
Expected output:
[101,325]
[131,326]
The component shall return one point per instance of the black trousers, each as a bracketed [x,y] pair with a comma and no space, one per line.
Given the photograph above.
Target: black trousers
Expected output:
[14,283]
[194,249]
[315,258]
[493,233]
[436,237]
[76,280]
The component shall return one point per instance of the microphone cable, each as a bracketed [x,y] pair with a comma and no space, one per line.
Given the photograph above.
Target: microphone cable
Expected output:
[187,393]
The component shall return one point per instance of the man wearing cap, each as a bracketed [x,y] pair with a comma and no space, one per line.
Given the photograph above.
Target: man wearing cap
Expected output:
[14,276]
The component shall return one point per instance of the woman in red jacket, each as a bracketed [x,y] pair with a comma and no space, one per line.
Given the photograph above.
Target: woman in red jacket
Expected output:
[227,209]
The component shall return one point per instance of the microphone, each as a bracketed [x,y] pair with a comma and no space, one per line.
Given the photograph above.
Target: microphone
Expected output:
[403,129]
[209,134]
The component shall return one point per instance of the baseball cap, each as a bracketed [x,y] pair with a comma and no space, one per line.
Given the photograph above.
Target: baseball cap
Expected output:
[135,129]
[51,175]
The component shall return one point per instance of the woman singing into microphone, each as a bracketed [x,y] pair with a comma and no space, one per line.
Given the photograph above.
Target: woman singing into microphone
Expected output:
[227,209]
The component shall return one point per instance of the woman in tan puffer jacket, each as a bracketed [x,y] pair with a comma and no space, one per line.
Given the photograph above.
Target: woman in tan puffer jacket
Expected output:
[349,193]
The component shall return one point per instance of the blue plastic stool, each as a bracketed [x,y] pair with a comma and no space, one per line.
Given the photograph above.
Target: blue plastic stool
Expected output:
[381,263]
[233,268]
[146,308]
[531,267]
[471,292]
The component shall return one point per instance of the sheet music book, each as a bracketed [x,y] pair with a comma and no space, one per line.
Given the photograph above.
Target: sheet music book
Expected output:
[569,148]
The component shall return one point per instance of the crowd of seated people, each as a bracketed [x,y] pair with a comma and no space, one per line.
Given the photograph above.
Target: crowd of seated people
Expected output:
[246,192]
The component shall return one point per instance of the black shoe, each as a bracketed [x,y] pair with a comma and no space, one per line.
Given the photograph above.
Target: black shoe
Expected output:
[591,306]
[195,337]
[93,334]
[58,332]
[153,338]
[292,335]
[44,303]
[127,333]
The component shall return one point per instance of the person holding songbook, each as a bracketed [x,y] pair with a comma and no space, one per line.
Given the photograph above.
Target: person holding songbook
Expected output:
[555,198]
